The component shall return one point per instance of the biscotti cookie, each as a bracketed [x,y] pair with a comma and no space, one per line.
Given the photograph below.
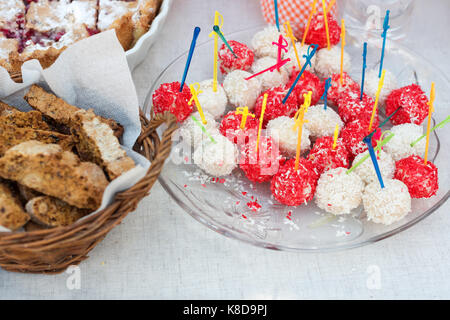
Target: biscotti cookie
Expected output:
[48,169]
[11,136]
[50,212]
[96,142]
[12,215]
[6,109]
[60,111]
[32,119]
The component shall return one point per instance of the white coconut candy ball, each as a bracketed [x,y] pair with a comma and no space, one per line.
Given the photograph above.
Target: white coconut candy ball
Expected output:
[281,130]
[213,102]
[292,65]
[399,146]
[193,134]
[366,170]
[270,79]
[241,92]
[217,158]
[338,192]
[371,81]
[328,62]
[262,42]
[386,205]
[322,122]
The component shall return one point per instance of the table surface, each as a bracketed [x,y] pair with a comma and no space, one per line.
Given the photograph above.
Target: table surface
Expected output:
[160,252]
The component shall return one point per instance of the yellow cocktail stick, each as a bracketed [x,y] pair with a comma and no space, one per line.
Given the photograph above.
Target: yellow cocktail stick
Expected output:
[195,91]
[380,85]
[290,35]
[245,114]
[336,132]
[330,5]
[313,11]
[218,21]
[430,112]
[299,121]
[261,118]
[326,24]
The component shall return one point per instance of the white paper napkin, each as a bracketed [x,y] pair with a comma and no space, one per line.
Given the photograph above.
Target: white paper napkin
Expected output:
[91,74]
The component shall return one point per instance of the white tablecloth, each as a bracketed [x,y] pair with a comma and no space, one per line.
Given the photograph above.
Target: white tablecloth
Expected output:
[160,252]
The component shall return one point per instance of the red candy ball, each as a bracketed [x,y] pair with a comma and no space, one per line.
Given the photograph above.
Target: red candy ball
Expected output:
[294,187]
[323,157]
[353,134]
[317,33]
[261,166]
[275,107]
[168,98]
[350,107]
[307,82]
[336,89]
[231,127]
[413,102]
[228,62]
[420,178]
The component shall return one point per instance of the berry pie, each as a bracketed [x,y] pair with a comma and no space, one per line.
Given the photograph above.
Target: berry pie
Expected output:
[42,29]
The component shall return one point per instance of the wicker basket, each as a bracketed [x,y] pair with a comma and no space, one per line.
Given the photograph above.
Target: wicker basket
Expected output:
[53,250]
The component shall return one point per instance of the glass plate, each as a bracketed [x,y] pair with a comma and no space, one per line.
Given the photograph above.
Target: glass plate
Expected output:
[228,205]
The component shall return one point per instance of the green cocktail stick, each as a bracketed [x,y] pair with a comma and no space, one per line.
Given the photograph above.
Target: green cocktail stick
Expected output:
[384,122]
[439,125]
[203,128]
[217,30]
[378,147]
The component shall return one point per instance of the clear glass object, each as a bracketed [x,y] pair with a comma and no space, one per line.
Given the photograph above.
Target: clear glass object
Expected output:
[225,205]
[364,18]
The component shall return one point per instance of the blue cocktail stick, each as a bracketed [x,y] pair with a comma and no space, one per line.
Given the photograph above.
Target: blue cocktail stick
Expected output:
[325,93]
[308,57]
[275,4]
[370,135]
[191,52]
[383,35]
[364,66]
[374,160]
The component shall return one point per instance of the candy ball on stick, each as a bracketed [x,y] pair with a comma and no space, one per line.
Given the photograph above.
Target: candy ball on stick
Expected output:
[386,205]
[350,107]
[275,107]
[281,130]
[371,81]
[294,187]
[270,79]
[317,33]
[262,42]
[366,170]
[212,102]
[217,158]
[338,192]
[324,157]
[228,62]
[420,178]
[353,134]
[241,92]
[262,165]
[337,89]
[292,65]
[193,134]
[328,62]
[231,127]
[413,102]
[169,98]
[321,121]
[400,145]
[307,82]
